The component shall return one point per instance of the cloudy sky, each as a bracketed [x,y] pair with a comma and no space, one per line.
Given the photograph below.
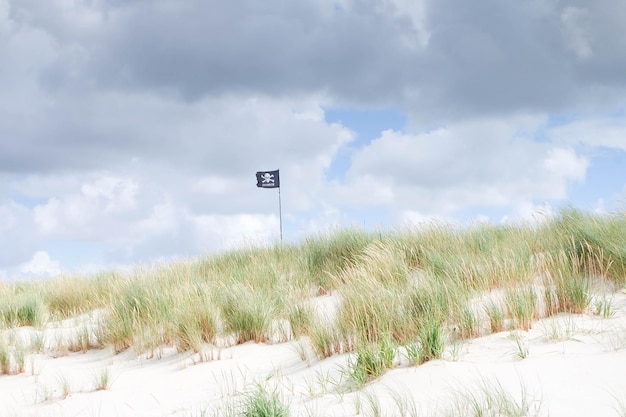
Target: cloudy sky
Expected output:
[131,130]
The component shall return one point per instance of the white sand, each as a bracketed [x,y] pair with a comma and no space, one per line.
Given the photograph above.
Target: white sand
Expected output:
[574,365]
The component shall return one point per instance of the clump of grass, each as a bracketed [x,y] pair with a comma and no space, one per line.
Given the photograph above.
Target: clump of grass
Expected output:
[550,300]
[102,380]
[468,323]
[261,403]
[68,296]
[328,338]
[37,341]
[118,328]
[414,354]
[434,299]
[521,346]
[431,340]
[196,324]
[567,283]
[371,360]
[377,295]
[573,294]
[300,319]
[19,357]
[12,355]
[559,330]
[140,313]
[496,316]
[23,309]
[248,313]
[429,345]
[5,359]
[521,304]
[66,387]
[594,242]
[328,256]
[82,341]
[492,399]
[604,307]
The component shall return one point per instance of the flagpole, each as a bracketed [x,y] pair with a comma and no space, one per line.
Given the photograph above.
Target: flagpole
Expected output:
[280,215]
[271,179]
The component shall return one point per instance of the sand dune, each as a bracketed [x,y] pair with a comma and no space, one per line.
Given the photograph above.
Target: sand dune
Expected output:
[566,365]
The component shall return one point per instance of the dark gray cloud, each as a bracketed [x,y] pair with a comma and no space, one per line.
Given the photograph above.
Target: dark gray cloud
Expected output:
[278,47]
[196,48]
[494,57]
[486,56]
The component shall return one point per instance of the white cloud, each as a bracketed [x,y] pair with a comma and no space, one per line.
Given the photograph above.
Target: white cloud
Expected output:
[89,211]
[482,162]
[237,230]
[40,266]
[594,131]
[566,164]
[530,213]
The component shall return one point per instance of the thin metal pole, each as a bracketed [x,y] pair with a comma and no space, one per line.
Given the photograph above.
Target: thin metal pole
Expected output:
[280,214]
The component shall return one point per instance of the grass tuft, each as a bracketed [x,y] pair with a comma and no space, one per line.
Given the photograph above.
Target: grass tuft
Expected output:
[261,403]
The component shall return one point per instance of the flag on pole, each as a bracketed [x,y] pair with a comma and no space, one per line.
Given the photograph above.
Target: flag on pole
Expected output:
[271,179]
[268,179]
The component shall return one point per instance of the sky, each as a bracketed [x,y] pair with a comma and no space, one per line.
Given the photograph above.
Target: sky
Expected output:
[131,130]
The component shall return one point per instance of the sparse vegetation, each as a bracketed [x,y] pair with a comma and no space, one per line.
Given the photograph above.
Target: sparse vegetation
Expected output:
[261,403]
[522,306]
[102,380]
[496,316]
[492,399]
[398,297]
[371,360]
[5,359]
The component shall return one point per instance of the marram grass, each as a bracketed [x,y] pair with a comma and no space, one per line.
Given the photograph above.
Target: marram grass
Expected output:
[416,288]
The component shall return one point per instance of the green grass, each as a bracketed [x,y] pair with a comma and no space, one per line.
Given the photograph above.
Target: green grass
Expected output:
[261,403]
[521,304]
[328,255]
[300,319]
[495,313]
[409,287]
[248,313]
[22,308]
[5,359]
[432,340]
[372,360]
[328,338]
[490,398]
[102,379]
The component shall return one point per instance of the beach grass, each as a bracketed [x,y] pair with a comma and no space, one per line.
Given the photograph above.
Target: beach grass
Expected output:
[414,288]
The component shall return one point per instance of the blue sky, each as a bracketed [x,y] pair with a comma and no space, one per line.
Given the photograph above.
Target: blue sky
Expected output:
[367,124]
[130,132]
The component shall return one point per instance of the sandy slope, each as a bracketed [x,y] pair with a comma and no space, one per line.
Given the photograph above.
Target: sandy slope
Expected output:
[574,365]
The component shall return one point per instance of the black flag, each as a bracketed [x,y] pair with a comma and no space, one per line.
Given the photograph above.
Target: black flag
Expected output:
[268,179]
